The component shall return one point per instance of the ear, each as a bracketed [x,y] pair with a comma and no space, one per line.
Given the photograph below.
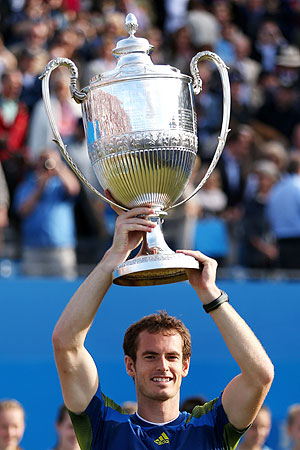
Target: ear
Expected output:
[130,367]
[185,367]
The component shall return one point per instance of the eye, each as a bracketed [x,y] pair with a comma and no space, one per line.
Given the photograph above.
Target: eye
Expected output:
[172,357]
[149,357]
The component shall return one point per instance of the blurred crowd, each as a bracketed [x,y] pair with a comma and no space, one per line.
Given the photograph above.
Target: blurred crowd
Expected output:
[248,212]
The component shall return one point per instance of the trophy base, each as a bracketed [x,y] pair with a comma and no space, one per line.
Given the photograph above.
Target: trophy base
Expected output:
[153,270]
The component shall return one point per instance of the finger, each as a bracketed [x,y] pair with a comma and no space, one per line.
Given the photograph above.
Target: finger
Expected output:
[201,257]
[125,222]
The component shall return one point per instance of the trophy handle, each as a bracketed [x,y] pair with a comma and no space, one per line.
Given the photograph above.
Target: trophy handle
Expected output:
[197,86]
[79,97]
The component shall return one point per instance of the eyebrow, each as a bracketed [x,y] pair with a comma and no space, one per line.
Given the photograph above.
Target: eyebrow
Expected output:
[151,352]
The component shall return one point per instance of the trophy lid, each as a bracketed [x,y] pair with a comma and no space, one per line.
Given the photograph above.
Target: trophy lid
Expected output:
[133,55]
[132,44]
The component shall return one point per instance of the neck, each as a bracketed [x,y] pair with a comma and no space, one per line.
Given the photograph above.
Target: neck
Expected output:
[159,411]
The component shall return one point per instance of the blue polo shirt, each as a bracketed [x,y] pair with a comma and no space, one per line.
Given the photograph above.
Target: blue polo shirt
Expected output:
[105,426]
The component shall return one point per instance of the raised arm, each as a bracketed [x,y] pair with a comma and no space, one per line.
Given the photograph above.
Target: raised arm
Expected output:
[244,395]
[76,368]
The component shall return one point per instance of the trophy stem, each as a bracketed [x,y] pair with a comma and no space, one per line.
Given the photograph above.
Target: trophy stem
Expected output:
[154,242]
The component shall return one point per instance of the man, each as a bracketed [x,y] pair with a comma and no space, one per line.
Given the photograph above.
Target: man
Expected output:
[44,202]
[157,357]
[12,424]
[283,208]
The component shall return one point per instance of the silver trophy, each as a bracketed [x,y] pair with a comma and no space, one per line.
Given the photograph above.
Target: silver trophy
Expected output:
[141,132]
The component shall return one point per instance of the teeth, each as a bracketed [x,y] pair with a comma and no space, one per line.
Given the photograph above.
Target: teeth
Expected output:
[161,379]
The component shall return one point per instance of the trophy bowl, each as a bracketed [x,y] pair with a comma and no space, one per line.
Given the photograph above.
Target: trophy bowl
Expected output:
[141,131]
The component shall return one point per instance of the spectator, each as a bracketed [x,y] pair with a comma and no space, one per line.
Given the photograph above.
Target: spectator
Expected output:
[246,66]
[103,62]
[267,44]
[256,436]
[209,112]
[4,203]
[8,60]
[293,425]
[232,164]
[12,424]
[45,201]
[287,66]
[190,402]
[65,110]
[181,50]
[203,26]
[260,247]
[224,46]
[209,232]
[66,438]
[129,407]
[275,151]
[14,119]
[278,116]
[32,64]
[283,208]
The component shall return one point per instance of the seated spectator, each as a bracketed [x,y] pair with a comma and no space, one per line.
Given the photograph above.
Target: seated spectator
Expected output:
[276,152]
[247,67]
[32,64]
[45,202]
[65,110]
[210,234]
[8,61]
[283,208]
[66,438]
[293,425]
[260,249]
[14,119]
[288,64]
[181,50]
[267,43]
[4,203]
[278,116]
[12,424]
[256,436]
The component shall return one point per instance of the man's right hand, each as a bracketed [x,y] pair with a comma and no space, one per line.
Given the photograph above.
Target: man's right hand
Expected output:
[129,230]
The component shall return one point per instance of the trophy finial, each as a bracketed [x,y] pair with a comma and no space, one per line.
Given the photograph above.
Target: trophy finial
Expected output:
[131,24]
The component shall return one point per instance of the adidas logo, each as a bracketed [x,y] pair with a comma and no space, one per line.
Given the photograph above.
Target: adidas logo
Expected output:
[163,439]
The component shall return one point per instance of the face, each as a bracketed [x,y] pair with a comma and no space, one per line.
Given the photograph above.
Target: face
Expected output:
[159,368]
[66,434]
[294,430]
[259,431]
[11,428]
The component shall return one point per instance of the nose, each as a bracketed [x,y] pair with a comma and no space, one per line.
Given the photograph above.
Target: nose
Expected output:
[162,364]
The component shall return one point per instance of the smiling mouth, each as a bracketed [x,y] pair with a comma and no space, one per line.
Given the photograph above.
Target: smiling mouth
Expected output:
[161,379]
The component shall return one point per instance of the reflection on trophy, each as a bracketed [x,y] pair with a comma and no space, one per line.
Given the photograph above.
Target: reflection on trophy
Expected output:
[141,132]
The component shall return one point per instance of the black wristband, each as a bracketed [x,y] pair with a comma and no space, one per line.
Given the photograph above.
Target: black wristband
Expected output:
[216,303]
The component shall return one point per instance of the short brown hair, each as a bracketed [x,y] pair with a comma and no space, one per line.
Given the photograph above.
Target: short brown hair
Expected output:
[156,323]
